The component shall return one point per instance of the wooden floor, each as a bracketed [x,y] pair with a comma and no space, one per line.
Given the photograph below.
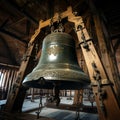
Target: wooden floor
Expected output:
[57,113]
[48,113]
[21,116]
[29,106]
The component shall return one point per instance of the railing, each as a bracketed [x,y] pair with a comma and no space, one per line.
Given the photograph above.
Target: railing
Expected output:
[8,75]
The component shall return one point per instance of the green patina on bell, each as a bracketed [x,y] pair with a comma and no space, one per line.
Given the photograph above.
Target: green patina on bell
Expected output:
[57,65]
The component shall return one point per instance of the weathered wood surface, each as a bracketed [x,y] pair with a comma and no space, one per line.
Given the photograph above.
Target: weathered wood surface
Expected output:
[81,108]
[21,116]
[91,56]
[105,103]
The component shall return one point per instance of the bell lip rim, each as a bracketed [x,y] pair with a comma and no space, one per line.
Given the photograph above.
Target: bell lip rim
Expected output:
[50,79]
[49,76]
[30,84]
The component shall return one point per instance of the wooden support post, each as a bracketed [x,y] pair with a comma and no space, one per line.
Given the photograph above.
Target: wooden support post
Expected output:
[107,104]
[107,53]
[17,88]
[78,97]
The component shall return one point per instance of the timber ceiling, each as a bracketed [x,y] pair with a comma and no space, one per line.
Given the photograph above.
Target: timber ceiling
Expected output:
[19,19]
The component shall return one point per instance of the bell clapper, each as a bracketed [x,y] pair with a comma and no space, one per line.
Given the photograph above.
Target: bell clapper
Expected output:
[56,97]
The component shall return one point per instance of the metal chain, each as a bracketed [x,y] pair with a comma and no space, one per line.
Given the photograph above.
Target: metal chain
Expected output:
[85,44]
[60,27]
[40,104]
[41,95]
[52,28]
[100,91]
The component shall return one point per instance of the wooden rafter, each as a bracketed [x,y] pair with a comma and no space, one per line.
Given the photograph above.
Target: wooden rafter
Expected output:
[107,103]
[10,55]
[22,12]
[12,35]
[117,45]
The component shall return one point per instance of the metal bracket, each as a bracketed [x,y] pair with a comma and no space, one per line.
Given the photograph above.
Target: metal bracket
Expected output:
[84,42]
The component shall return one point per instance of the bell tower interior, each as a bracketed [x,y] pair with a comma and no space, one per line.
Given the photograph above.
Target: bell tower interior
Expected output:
[68,53]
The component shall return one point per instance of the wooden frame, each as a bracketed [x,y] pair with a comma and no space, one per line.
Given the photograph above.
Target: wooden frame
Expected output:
[107,104]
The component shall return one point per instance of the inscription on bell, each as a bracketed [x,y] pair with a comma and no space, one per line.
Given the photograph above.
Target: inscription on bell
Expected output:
[54,50]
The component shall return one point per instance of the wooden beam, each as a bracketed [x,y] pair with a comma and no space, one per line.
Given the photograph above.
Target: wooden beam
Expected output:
[15,31]
[107,104]
[107,53]
[28,26]
[22,12]
[8,65]
[12,35]
[4,23]
[17,93]
[116,45]
[5,60]
[10,55]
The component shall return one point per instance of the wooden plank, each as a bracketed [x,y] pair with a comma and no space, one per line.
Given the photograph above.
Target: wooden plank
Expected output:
[2,78]
[4,81]
[21,116]
[74,107]
[10,81]
[7,65]
[7,79]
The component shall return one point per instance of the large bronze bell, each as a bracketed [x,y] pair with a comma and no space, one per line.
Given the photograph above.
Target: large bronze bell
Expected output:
[57,65]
